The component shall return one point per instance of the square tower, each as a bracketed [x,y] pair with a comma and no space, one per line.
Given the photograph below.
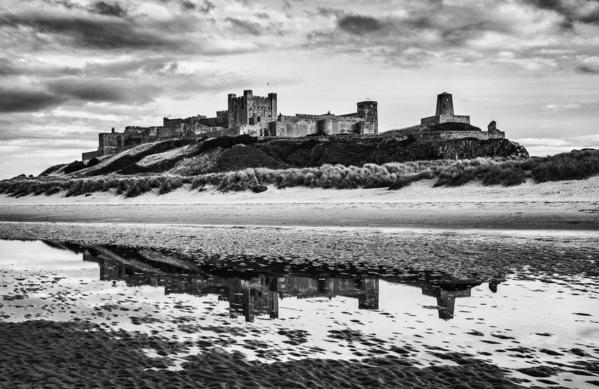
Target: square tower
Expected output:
[444,113]
[369,111]
[444,104]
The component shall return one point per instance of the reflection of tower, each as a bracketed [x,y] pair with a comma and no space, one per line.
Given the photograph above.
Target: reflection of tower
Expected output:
[444,104]
[445,299]
[493,286]
[252,298]
[369,298]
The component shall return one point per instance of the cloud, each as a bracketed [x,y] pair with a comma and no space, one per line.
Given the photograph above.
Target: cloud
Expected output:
[102,90]
[15,100]
[9,67]
[466,33]
[585,69]
[412,37]
[245,26]
[581,11]
[204,6]
[561,107]
[108,9]
[359,25]
[94,33]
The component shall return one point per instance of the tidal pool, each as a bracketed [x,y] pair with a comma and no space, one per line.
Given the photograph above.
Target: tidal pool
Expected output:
[543,331]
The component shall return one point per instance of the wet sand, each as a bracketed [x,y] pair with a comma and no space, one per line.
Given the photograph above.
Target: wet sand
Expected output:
[70,355]
[524,215]
[463,253]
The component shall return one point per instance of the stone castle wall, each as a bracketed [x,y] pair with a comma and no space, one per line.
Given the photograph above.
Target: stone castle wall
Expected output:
[444,119]
[303,125]
[425,133]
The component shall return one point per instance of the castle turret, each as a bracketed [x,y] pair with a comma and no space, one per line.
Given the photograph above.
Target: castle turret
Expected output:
[444,113]
[272,99]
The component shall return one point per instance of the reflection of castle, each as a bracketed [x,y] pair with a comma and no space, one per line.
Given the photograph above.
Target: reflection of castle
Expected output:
[251,297]
[259,294]
[446,298]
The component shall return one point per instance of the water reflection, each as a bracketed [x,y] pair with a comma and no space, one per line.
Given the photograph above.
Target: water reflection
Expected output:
[250,292]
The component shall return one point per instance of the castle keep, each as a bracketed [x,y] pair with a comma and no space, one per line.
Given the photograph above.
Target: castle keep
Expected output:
[257,116]
[251,110]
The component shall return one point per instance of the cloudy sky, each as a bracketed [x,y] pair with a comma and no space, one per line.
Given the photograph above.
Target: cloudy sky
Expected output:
[72,68]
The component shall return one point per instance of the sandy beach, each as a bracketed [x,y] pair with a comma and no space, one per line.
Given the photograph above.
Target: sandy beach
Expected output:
[563,205]
[500,282]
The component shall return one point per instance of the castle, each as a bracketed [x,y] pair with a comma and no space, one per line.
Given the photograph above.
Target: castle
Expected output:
[257,116]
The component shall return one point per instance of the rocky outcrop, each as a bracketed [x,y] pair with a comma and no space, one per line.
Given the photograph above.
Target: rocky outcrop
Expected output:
[358,151]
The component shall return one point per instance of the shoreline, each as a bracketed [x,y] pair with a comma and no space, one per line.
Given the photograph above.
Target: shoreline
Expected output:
[563,205]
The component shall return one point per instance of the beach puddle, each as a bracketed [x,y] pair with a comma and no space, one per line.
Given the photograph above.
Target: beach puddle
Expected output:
[543,331]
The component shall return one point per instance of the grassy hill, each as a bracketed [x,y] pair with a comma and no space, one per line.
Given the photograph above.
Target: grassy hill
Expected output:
[245,163]
[191,157]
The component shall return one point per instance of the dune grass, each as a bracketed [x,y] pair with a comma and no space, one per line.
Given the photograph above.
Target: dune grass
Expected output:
[575,165]
[568,166]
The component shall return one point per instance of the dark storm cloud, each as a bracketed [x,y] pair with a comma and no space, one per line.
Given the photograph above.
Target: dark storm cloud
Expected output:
[359,25]
[57,91]
[92,33]
[102,90]
[108,9]
[27,100]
